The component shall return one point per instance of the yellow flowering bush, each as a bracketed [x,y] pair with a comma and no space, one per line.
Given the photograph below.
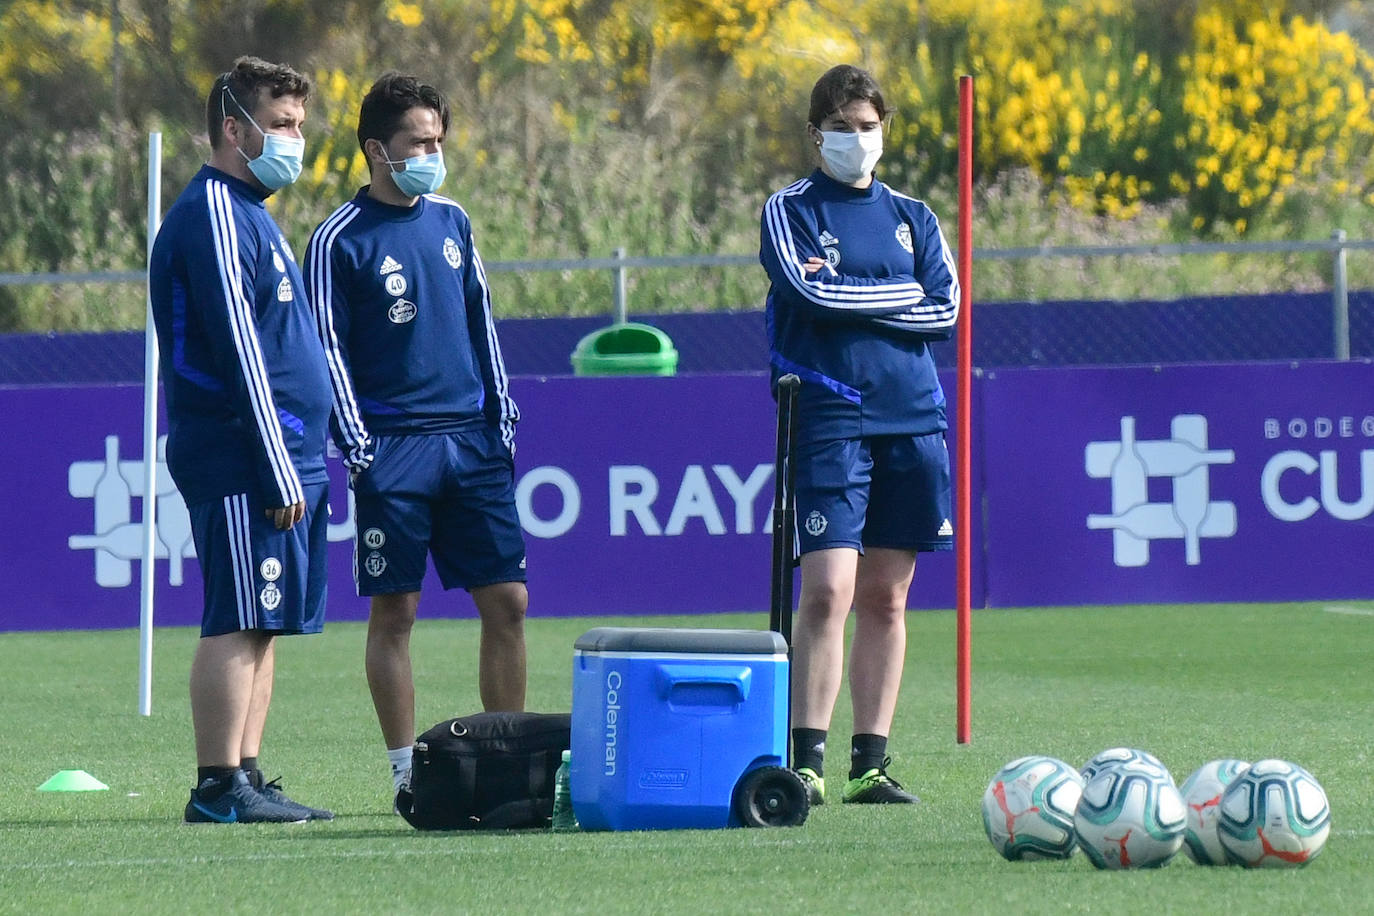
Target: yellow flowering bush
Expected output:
[1268,105]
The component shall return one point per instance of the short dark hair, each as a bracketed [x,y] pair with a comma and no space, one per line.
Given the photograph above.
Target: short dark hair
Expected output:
[839,86]
[387,102]
[242,84]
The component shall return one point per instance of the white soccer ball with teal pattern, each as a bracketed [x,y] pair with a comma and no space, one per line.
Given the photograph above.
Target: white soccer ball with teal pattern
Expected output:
[1114,756]
[1202,795]
[1274,815]
[1028,808]
[1130,816]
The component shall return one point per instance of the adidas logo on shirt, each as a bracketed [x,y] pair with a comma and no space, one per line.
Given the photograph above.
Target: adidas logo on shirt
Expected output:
[946,529]
[827,240]
[389,266]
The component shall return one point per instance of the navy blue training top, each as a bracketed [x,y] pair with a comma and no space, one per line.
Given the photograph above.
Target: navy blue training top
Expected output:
[244,373]
[856,330]
[402,305]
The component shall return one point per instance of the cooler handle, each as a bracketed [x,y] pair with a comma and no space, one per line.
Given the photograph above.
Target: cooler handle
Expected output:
[702,685]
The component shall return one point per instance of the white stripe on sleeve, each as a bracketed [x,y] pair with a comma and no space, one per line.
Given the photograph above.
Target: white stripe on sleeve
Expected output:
[346,410]
[244,331]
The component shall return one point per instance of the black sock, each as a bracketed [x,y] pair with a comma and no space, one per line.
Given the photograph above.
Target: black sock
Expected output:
[249,765]
[866,753]
[808,749]
[219,778]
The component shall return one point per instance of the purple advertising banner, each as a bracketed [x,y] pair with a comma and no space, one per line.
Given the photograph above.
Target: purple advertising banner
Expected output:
[644,495]
[1250,482]
[638,495]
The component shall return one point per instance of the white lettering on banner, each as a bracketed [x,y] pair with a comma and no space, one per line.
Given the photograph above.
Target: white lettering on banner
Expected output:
[695,500]
[624,502]
[571,497]
[1191,515]
[634,488]
[1318,427]
[1328,487]
[743,492]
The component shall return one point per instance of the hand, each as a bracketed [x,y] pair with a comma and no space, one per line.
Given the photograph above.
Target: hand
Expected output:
[814,264]
[287,516]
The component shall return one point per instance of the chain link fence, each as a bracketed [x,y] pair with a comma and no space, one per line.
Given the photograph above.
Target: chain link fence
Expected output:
[1329,324]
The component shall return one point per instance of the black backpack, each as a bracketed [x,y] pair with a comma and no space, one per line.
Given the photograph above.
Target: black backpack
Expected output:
[488,771]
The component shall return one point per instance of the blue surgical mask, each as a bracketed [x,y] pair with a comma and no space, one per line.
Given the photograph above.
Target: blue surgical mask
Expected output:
[281,159]
[423,174]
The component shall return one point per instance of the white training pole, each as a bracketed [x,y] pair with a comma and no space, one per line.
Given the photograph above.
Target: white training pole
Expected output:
[149,564]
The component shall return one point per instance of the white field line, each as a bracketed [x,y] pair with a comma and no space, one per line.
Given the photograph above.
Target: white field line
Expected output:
[1350,611]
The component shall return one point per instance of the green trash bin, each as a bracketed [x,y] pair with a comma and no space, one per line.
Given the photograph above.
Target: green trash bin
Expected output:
[629,348]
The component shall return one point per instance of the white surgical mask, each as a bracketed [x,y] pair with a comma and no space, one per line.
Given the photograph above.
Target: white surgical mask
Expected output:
[422,175]
[851,155]
[281,159]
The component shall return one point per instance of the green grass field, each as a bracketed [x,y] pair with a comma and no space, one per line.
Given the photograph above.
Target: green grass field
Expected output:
[1188,683]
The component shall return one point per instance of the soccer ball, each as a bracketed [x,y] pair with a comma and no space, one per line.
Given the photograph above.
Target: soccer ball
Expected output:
[1202,796]
[1028,808]
[1114,756]
[1274,815]
[1130,816]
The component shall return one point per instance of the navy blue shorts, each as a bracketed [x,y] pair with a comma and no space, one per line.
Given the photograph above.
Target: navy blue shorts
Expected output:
[879,491]
[449,495]
[259,578]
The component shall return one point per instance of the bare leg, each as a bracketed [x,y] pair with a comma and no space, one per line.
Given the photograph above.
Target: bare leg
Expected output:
[388,665]
[879,649]
[256,722]
[501,662]
[223,677]
[818,634]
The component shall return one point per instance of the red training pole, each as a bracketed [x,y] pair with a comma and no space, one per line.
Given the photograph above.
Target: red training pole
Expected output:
[963,498]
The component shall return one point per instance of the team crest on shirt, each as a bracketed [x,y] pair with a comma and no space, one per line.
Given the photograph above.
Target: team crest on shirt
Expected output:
[395,285]
[816,524]
[269,597]
[831,246]
[401,311]
[270,569]
[904,237]
[452,254]
[375,564]
[284,293]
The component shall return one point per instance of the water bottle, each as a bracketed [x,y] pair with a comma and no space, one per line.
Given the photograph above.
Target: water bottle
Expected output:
[563,818]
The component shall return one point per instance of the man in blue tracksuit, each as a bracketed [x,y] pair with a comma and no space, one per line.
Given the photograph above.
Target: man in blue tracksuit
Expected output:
[422,408]
[861,278]
[248,406]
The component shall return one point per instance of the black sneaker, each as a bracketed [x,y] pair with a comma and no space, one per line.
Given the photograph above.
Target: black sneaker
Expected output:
[240,804]
[272,791]
[876,788]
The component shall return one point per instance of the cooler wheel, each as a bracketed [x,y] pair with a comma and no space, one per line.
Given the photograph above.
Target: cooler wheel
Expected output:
[772,797]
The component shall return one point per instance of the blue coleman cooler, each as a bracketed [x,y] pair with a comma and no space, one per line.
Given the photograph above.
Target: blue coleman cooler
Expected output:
[681,728]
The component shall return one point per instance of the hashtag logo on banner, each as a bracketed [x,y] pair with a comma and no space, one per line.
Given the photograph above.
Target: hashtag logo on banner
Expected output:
[1190,515]
[116,540]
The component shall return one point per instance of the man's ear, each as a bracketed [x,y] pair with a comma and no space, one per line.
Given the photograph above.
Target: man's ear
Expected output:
[232,130]
[375,152]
